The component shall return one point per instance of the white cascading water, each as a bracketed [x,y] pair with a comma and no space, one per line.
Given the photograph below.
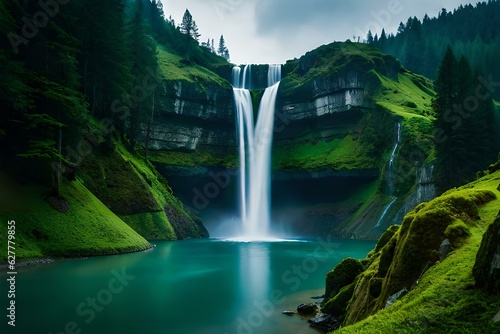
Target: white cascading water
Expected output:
[391,174]
[255,152]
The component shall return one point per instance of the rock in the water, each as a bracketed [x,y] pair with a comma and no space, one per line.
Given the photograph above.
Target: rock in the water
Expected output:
[307,309]
[289,313]
[325,322]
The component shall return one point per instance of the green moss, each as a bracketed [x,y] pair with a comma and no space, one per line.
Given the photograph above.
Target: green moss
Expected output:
[441,297]
[87,228]
[409,96]
[485,276]
[338,154]
[153,225]
[343,274]
[173,69]
[443,302]
[331,61]
[386,237]
[133,189]
[457,232]
[118,184]
[424,232]
[386,257]
[338,304]
[192,159]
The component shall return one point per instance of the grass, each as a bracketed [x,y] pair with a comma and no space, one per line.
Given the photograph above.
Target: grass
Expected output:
[192,159]
[138,194]
[337,154]
[330,61]
[409,96]
[173,69]
[444,300]
[87,228]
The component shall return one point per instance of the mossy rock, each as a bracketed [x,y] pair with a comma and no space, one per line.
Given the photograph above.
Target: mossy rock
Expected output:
[343,274]
[338,304]
[386,256]
[457,232]
[486,269]
[386,237]
[422,232]
[376,286]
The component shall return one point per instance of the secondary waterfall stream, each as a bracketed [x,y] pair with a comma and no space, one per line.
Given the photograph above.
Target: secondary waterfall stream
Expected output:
[391,174]
[255,151]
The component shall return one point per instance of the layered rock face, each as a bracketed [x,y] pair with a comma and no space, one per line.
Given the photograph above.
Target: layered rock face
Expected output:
[193,117]
[341,94]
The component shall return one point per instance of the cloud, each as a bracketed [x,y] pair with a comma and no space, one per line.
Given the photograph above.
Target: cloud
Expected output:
[268,31]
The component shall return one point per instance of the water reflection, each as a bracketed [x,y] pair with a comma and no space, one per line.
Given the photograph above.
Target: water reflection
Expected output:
[254,269]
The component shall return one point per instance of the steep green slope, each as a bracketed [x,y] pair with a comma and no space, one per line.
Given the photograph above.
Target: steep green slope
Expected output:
[139,195]
[442,297]
[87,228]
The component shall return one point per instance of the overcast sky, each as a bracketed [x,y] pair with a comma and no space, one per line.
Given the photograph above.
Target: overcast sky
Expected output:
[273,31]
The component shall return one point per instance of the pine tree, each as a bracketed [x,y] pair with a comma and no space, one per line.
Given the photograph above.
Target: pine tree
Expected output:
[187,23]
[194,32]
[369,37]
[445,84]
[463,124]
[223,50]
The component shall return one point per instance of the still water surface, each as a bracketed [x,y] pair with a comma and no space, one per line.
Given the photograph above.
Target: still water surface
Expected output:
[188,287]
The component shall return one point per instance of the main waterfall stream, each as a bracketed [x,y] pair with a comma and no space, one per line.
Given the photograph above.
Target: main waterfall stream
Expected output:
[255,151]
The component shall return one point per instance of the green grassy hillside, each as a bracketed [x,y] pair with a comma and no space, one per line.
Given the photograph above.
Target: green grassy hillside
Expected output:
[87,228]
[442,297]
[139,195]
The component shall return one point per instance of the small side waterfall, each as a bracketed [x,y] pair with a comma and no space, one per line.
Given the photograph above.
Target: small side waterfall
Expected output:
[392,159]
[391,174]
[255,151]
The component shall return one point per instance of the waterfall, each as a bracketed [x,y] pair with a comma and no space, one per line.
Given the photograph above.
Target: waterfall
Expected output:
[255,151]
[391,160]
[391,173]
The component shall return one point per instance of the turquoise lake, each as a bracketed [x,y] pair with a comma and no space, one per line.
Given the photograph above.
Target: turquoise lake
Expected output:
[185,287]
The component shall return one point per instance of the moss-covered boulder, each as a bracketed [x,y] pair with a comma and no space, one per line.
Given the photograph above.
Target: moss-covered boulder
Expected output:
[343,274]
[486,270]
[400,262]
[337,305]
[423,231]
